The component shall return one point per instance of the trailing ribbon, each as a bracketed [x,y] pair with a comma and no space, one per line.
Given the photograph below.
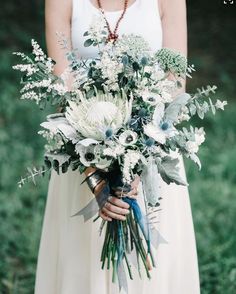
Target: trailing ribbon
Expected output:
[93,206]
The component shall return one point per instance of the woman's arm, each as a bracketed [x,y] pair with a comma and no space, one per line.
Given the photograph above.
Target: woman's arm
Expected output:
[174,24]
[58,19]
[174,27]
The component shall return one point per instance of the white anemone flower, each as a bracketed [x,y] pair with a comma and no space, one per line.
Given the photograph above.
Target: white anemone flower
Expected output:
[87,155]
[159,129]
[91,156]
[150,97]
[128,138]
[100,115]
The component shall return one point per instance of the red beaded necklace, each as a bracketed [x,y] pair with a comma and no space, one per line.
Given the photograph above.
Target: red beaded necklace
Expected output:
[113,36]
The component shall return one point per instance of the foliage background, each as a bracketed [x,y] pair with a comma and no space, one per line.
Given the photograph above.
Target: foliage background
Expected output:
[212,48]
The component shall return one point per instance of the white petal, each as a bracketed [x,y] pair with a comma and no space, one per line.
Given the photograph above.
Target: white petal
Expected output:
[158,113]
[155,132]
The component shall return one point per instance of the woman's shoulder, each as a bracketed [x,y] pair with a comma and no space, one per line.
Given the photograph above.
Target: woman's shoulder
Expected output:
[170,7]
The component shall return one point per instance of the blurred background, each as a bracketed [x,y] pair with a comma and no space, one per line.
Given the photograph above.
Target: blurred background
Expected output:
[212,48]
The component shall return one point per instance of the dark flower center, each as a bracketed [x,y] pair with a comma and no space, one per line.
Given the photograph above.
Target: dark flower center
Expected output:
[129,139]
[149,142]
[89,156]
[151,99]
[164,126]
[109,133]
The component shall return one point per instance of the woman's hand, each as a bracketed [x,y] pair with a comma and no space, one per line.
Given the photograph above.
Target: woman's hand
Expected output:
[116,208]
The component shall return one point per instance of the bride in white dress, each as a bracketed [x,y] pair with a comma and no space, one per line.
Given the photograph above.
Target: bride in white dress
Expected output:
[69,254]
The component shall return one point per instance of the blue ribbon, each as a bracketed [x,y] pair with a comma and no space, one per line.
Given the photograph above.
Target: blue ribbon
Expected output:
[140,218]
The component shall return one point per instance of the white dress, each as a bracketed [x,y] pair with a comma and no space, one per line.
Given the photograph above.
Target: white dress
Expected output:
[69,254]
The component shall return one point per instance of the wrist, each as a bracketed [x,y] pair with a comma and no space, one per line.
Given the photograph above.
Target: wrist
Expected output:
[94,178]
[99,187]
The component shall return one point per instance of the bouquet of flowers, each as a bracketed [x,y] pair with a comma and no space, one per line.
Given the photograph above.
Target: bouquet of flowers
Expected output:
[124,115]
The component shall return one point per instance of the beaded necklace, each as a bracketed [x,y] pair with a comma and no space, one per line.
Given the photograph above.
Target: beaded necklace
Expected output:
[113,36]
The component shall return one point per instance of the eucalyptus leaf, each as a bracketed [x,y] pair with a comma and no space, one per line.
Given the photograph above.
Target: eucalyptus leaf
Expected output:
[88,43]
[58,158]
[195,159]
[213,109]
[192,108]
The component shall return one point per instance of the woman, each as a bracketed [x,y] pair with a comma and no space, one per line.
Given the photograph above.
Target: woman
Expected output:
[69,256]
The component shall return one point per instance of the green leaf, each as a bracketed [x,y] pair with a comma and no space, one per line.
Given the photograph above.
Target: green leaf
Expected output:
[169,171]
[213,109]
[88,43]
[195,159]
[192,108]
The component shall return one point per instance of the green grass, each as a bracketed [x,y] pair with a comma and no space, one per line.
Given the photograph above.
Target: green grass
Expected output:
[214,206]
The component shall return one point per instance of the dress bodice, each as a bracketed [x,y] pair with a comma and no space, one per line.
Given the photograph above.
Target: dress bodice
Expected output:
[142,17]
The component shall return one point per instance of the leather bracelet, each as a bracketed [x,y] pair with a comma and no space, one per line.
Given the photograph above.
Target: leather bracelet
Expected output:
[95,179]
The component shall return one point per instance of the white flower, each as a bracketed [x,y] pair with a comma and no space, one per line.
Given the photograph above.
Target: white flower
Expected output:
[167,89]
[102,114]
[60,88]
[150,97]
[220,104]
[148,69]
[97,29]
[110,68]
[114,151]
[55,141]
[36,84]
[128,138]
[158,75]
[91,156]
[192,147]
[38,52]
[30,69]
[199,135]
[157,150]
[131,158]
[166,97]
[31,95]
[87,154]
[184,114]
[155,133]
[159,129]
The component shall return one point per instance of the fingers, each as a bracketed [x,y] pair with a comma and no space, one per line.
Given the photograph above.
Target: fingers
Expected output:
[113,215]
[118,202]
[115,208]
[104,216]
